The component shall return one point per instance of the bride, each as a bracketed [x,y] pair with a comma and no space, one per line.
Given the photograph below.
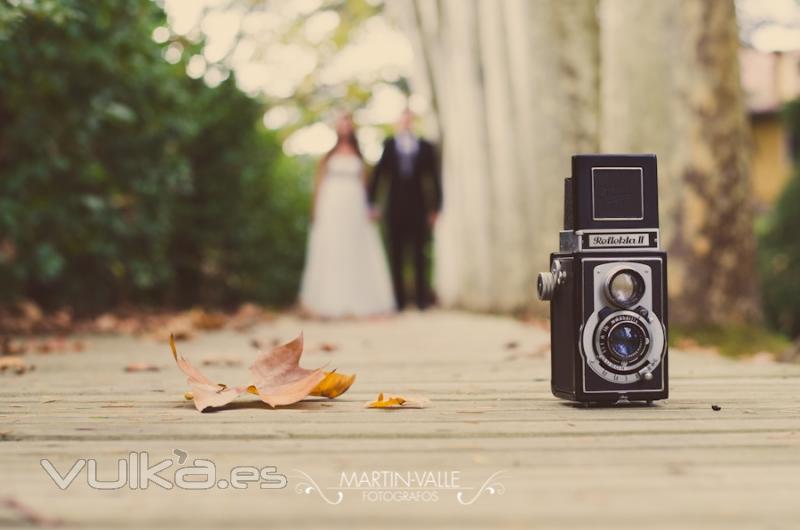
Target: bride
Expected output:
[345,273]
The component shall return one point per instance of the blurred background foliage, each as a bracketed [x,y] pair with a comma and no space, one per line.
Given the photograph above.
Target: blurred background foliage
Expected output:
[143,155]
[779,242]
[125,182]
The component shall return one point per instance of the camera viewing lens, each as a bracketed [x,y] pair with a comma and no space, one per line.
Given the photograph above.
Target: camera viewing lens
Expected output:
[626,340]
[625,288]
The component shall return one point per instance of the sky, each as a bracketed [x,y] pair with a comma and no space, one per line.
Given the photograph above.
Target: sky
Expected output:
[770,25]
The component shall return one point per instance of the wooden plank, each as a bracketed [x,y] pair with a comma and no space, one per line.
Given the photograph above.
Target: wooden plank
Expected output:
[677,463]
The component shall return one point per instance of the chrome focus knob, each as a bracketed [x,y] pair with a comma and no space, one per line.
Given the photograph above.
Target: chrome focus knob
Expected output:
[548,282]
[546,285]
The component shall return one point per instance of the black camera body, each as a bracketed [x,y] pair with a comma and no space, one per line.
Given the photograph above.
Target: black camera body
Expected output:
[607,284]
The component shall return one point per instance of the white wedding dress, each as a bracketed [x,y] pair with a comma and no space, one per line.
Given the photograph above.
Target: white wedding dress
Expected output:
[346,272]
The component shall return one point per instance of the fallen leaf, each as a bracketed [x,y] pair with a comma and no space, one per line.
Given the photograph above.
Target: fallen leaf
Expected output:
[383,403]
[180,327]
[9,346]
[14,364]
[142,367]
[30,311]
[106,323]
[53,344]
[207,321]
[247,316]
[334,385]
[328,347]
[205,393]
[397,402]
[278,377]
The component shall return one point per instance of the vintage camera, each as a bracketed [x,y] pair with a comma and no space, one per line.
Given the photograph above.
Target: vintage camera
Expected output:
[607,284]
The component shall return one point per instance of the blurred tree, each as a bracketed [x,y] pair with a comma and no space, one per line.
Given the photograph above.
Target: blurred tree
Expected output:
[671,86]
[124,181]
[521,86]
[515,86]
[307,59]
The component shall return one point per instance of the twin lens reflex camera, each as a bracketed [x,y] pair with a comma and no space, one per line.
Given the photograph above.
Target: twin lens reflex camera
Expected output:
[607,284]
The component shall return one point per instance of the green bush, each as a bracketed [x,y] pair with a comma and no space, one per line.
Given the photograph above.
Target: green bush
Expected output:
[779,246]
[123,181]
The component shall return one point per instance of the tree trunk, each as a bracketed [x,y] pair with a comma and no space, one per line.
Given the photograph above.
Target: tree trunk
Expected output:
[520,86]
[514,85]
[671,86]
[714,240]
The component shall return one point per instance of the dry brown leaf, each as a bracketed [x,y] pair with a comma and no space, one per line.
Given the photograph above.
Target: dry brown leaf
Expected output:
[9,346]
[30,311]
[278,377]
[14,365]
[207,321]
[205,392]
[106,323]
[142,367]
[397,402]
[334,385]
[248,315]
[180,327]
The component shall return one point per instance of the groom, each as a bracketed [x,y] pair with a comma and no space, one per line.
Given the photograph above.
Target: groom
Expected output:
[411,166]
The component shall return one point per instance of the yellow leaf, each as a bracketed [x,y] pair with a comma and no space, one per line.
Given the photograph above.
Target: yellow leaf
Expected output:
[385,403]
[333,385]
[398,402]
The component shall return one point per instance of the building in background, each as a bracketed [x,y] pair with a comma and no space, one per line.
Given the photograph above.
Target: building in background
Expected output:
[770,80]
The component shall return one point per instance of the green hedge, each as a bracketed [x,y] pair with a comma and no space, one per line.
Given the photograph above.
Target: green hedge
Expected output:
[123,181]
[779,242]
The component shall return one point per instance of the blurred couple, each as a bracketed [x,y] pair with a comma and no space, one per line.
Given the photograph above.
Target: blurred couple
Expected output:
[346,273]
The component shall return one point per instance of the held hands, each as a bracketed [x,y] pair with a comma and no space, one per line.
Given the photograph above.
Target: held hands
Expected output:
[374,214]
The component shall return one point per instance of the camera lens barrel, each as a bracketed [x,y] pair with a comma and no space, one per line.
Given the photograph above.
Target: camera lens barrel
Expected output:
[623,338]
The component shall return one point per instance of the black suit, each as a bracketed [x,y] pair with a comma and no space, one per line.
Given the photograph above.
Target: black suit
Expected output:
[414,193]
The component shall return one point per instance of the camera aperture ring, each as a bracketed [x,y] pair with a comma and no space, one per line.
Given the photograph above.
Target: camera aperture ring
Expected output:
[605,366]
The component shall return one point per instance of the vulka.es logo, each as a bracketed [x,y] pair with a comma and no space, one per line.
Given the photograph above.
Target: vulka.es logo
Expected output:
[135,472]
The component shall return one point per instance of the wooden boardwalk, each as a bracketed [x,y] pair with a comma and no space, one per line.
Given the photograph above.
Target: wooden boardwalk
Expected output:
[676,465]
